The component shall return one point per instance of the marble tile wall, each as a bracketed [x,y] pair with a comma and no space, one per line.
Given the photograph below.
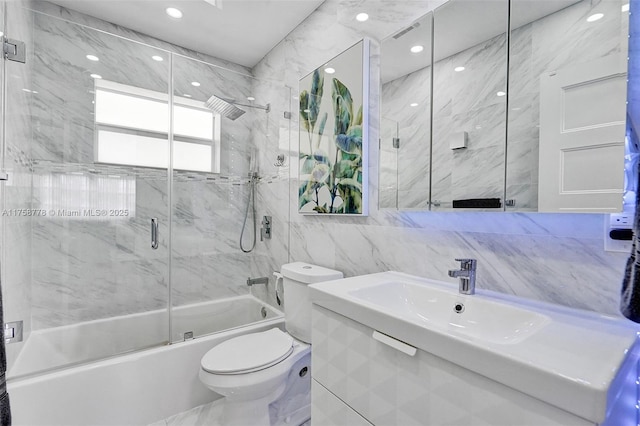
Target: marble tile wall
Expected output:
[467,102]
[388,179]
[548,257]
[414,130]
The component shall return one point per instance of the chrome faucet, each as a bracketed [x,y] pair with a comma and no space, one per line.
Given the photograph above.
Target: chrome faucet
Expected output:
[467,275]
[261,280]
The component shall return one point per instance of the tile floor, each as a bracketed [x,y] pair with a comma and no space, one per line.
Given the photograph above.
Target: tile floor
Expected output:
[204,415]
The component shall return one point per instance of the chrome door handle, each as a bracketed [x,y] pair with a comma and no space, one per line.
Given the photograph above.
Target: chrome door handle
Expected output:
[154,233]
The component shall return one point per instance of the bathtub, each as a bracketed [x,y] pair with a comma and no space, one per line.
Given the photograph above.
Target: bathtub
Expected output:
[138,388]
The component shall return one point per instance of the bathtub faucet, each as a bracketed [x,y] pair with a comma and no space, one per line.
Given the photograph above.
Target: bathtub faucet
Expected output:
[261,280]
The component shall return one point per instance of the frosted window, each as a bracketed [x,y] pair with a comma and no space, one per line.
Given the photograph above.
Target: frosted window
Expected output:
[122,110]
[144,151]
[133,129]
[192,122]
[191,156]
[132,150]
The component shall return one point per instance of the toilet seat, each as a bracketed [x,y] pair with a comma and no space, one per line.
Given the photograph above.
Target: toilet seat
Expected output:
[248,353]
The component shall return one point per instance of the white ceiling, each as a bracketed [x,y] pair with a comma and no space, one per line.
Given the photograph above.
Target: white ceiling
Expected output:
[240,31]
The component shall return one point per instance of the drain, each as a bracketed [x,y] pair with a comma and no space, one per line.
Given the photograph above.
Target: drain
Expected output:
[458,308]
[263,312]
[303,372]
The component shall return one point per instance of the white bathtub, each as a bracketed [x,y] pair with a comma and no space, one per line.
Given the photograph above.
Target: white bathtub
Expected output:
[134,389]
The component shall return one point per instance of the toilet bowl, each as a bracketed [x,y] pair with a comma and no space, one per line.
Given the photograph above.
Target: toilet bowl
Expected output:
[265,377]
[250,371]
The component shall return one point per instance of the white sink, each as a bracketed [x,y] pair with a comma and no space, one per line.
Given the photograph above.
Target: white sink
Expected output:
[475,317]
[566,357]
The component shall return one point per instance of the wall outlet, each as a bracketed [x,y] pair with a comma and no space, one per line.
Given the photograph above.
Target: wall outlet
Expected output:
[617,221]
[621,220]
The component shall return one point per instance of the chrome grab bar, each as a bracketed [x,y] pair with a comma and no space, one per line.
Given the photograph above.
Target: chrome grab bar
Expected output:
[154,233]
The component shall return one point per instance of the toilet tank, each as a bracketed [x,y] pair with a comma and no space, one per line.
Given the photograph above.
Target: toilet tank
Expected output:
[297,305]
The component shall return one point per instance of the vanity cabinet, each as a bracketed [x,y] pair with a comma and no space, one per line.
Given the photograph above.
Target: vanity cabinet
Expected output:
[359,380]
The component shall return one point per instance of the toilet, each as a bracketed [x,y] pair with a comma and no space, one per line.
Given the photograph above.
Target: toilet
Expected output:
[265,376]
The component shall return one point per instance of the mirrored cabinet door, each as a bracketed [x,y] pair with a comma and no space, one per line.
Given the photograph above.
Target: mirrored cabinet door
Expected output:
[469,100]
[566,118]
[523,109]
[405,144]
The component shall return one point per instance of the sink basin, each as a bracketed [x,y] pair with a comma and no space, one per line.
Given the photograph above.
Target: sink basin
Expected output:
[472,317]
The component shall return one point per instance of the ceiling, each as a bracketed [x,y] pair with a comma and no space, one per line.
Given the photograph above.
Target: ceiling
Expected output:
[240,31]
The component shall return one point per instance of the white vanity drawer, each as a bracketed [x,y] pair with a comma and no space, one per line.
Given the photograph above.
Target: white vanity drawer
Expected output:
[385,384]
[327,410]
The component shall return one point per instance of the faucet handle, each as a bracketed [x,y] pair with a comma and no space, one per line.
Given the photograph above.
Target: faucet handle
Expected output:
[467,263]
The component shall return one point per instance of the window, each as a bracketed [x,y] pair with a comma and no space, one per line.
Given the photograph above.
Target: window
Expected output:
[133,126]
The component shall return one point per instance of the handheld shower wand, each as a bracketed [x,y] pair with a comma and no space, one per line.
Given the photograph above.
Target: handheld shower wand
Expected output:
[251,201]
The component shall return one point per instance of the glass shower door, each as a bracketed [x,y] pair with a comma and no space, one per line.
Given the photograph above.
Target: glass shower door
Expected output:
[211,161]
[87,150]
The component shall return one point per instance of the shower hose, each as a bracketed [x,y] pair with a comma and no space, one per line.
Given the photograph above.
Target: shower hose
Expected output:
[251,201]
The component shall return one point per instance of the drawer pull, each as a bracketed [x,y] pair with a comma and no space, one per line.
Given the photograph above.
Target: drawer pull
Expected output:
[394,343]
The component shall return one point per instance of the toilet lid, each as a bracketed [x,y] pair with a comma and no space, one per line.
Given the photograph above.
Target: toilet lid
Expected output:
[251,352]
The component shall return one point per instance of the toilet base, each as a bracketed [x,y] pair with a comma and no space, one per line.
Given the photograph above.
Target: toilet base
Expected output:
[246,413]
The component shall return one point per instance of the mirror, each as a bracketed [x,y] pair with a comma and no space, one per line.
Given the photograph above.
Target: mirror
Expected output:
[405,124]
[567,86]
[469,101]
[476,140]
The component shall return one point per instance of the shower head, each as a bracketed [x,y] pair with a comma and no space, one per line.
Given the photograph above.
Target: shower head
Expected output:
[224,107]
[228,108]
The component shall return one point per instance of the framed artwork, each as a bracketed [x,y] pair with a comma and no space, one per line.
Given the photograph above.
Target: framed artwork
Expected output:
[334,130]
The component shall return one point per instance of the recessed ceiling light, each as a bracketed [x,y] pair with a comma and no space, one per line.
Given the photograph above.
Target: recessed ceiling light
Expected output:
[157,58]
[458,69]
[329,70]
[625,7]
[186,95]
[93,58]
[501,93]
[195,84]
[96,76]
[173,12]
[595,17]
[414,104]
[251,98]
[417,49]
[362,16]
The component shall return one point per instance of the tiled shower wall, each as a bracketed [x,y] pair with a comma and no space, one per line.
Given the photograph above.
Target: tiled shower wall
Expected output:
[549,257]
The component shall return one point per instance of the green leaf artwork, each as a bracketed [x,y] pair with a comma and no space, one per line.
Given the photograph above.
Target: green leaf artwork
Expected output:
[331,165]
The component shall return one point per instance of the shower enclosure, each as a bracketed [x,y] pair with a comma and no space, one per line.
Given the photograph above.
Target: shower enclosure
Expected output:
[126,194]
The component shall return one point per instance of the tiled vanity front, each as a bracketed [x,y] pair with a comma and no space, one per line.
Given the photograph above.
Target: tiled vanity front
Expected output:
[358,380]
